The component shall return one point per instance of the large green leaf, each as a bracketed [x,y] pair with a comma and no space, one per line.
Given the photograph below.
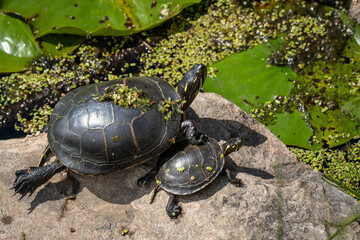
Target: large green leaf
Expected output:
[17,44]
[332,127]
[292,129]
[248,80]
[326,93]
[56,44]
[94,17]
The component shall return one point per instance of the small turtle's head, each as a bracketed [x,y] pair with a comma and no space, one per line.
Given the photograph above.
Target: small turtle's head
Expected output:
[233,145]
[191,84]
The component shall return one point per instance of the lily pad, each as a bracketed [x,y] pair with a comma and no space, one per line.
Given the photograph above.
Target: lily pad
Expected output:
[321,110]
[332,128]
[57,44]
[17,44]
[248,80]
[84,17]
[298,133]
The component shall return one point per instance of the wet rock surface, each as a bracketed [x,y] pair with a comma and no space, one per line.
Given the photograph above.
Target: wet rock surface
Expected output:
[280,197]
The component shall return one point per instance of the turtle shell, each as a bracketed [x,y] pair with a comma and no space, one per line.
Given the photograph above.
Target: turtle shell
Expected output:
[191,169]
[97,138]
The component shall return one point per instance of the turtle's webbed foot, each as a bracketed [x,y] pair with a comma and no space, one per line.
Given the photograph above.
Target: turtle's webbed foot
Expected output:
[27,180]
[174,212]
[23,183]
[172,208]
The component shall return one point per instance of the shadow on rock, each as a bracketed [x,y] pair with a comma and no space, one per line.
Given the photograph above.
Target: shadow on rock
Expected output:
[62,189]
[226,129]
[117,188]
[235,169]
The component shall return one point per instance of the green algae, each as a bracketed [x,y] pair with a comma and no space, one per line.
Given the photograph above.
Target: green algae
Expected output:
[122,95]
[38,120]
[340,165]
[169,108]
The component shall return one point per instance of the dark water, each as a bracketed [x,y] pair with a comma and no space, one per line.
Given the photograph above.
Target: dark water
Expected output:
[10,132]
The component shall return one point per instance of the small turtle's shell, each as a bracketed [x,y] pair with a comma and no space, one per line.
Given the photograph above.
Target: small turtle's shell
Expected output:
[192,169]
[97,138]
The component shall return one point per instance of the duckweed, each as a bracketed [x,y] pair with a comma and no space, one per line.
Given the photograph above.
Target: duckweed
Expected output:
[122,95]
[341,165]
[169,108]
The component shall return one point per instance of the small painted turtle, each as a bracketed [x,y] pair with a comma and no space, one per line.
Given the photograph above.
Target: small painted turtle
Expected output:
[94,137]
[193,168]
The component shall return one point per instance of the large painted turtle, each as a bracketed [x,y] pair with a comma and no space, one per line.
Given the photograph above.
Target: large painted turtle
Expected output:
[193,168]
[95,137]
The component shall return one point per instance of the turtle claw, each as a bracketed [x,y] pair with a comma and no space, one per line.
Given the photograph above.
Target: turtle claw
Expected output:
[20,172]
[28,180]
[24,182]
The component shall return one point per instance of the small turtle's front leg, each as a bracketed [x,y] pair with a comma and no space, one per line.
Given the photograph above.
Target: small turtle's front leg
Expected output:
[145,179]
[191,133]
[235,181]
[27,180]
[172,208]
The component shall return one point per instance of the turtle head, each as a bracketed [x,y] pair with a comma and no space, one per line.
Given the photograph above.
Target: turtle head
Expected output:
[191,84]
[233,145]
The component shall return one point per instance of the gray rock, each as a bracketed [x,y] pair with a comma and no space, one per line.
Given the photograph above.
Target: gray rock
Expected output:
[354,10]
[281,197]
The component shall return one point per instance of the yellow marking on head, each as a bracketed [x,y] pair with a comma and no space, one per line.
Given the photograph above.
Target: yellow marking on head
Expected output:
[185,89]
[227,147]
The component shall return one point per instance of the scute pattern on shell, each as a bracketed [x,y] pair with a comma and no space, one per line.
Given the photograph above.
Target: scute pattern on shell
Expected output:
[192,169]
[97,138]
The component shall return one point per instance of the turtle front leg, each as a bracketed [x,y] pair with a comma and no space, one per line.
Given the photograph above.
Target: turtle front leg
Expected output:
[234,181]
[172,208]
[191,133]
[145,179]
[27,180]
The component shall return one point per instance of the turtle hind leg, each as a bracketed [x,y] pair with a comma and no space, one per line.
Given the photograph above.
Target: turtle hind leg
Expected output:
[27,180]
[44,156]
[172,208]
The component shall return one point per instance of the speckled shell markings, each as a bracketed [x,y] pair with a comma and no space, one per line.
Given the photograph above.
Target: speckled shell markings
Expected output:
[97,138]
[192,169]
